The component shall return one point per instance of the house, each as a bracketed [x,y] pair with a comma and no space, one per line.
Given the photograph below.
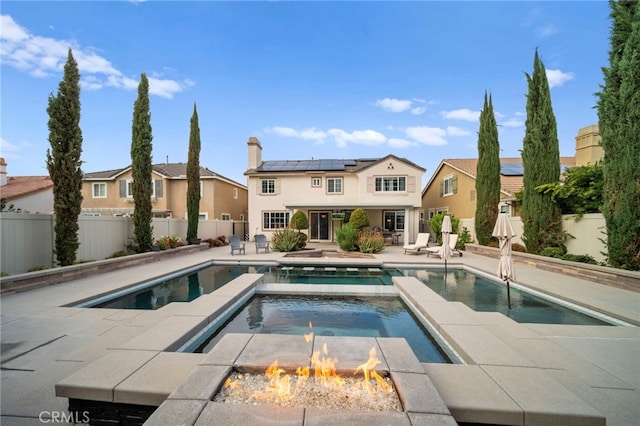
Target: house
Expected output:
[328,190]
[109,193]
[29,194]
[451,189]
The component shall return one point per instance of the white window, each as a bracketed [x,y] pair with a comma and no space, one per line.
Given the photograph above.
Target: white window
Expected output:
[241,218]
[316,182]
[235,193]
[449,186]
[268,186]
[100,190]
[334,185]
[394,220]
[130,188]
[391,184]
[275,219]
[226,216]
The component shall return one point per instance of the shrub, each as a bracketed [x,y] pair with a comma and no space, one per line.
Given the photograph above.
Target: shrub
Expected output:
[436,225]
[302,240]
[583,258]
[359,219]
[285,239]
[119,253]
[556,252]
[347,237]
[464,237]
[39,268]
[518,247]
[370,243]
[299,220]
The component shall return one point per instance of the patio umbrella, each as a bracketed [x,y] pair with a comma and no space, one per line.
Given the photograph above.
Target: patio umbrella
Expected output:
[445,249]
[504,231]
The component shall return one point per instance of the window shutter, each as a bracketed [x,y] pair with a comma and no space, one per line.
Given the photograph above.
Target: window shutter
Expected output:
[442,188]
[123,188]
[370,184]
[277,186]
[454,183]
[158,188]
[411,184]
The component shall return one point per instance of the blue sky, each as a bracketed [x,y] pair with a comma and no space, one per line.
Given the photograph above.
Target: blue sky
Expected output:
[309,79]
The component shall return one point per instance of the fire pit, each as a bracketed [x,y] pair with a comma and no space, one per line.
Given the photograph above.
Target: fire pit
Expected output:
[318,386]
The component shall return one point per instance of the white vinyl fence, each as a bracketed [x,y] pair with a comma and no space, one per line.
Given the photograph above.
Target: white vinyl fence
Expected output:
[589,233]
[27,240]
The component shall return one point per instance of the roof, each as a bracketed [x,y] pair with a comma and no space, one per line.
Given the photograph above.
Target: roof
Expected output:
[168,170]
[323,165]
[511,170]
[19,186]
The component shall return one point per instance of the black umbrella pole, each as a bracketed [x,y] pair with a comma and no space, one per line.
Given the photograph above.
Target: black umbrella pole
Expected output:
[508,294]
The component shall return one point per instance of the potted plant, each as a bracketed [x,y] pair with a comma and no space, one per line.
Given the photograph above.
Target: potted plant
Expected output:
[174,241]
[163,242]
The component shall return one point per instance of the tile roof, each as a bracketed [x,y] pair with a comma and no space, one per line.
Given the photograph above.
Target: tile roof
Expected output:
[508,183]
[19,186]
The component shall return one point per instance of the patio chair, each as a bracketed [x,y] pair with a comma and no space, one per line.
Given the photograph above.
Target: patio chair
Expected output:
[236,244]
[453,239]
[262,243]
[422,242]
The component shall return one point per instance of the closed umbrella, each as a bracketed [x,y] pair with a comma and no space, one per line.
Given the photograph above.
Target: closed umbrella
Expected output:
[445,250]
[504,231]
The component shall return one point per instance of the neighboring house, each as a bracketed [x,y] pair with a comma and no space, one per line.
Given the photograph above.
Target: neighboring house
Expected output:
[109,193]
[451,189]
[29,194]
[328,190]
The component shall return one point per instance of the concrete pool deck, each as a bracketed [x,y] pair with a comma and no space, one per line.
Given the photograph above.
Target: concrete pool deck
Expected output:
[514,373]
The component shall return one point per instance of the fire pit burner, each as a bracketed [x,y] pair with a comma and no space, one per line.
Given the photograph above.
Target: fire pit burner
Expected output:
[352,395]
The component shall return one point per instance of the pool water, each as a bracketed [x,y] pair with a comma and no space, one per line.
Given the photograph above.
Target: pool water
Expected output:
[477,292]
[331,316]
[484,295]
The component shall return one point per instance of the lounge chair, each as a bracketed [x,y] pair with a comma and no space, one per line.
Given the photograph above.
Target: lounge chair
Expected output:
[422,242]
[262,243]
[453,240]
[236,244]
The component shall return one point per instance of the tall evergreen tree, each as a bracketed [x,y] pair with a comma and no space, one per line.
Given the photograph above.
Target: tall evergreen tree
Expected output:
[619,124]
[487,174]
[141,167]
[541,163]
[63,161]
[193,178]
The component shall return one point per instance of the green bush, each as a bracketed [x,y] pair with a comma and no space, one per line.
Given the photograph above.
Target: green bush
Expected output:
[359,219]
[518,247]
[464,238]
[39,268]
[347,237]
[582,258]
[436,225]
[556,252]
[285,240]
[370,243]
[302,240]
[299,220]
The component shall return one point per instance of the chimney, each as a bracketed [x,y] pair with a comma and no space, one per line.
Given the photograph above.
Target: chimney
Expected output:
[255,153]
[588,148]
[3,172]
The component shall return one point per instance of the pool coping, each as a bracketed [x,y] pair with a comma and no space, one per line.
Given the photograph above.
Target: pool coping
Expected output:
[491,347]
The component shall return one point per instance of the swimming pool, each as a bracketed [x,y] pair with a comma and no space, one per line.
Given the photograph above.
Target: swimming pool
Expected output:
[330,316]
[476,291]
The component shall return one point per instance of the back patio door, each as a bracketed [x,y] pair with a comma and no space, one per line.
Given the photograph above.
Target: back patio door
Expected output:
[319,226]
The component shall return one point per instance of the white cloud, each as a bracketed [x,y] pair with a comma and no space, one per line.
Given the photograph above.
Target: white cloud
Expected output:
[546,30]
[10,150]
[427,135]
[399,143]
[361,137]
[306,134]
[462,114]
[394,105]
[457,131]
[44,57]
[557,78]
[418,110]
[512,122]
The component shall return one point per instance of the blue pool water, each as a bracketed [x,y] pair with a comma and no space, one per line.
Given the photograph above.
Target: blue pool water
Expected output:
[331,316]
[477,292]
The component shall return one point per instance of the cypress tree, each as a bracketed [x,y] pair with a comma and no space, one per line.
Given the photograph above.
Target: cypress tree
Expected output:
[487,174]
[141,167]
[619,124]
[63,161]
[541,163]
[193,178]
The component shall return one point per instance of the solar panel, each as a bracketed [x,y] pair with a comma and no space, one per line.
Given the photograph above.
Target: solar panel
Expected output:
[511,169]
[306,165]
